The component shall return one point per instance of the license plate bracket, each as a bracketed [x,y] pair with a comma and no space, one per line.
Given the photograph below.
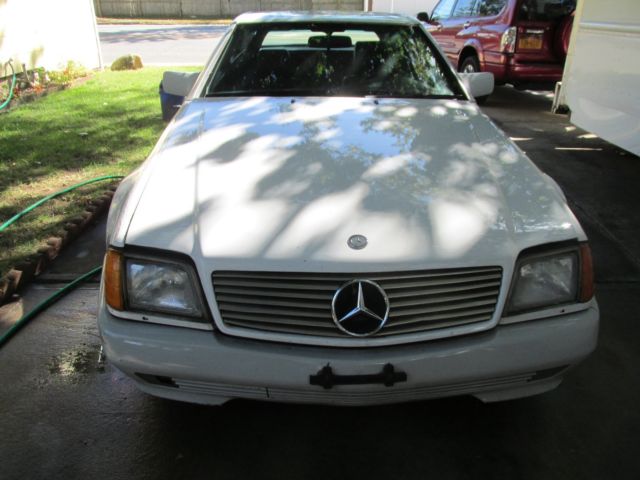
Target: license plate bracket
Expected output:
[388,377]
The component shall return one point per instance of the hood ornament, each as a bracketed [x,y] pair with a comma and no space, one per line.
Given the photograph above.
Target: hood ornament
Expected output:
[357,242]
[360,308]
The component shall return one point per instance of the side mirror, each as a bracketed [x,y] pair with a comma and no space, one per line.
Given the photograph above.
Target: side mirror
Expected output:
[478,84]
[423,17]
[178,83]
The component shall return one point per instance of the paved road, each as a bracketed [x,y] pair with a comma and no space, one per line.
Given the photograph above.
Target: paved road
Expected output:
[160,44]
[65,414]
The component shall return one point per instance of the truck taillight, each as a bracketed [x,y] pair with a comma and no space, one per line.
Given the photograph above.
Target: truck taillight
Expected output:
[508,40]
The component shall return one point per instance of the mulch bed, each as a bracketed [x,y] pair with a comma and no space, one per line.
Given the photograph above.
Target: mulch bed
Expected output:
[34,93]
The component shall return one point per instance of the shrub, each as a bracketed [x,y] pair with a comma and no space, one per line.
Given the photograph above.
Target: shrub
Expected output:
[72,71]
[127,62]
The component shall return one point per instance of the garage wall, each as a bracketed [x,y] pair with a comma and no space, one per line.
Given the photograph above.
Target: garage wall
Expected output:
[45,33]
[213,8]
[409,7]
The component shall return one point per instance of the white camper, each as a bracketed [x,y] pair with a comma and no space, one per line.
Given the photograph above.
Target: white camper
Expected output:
[601,82]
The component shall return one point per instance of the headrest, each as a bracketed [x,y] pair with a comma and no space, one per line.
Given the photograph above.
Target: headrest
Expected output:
[366,47]
[324,41]
[278,55]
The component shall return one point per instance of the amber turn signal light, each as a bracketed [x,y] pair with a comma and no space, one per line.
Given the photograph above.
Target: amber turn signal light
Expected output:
[113,280]
[587,285]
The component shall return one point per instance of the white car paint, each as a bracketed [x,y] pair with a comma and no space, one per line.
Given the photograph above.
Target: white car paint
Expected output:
[288,183]
[280,184]
[276,176]
[215,368]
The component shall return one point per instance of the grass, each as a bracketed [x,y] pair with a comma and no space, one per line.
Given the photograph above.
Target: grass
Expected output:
[106,125]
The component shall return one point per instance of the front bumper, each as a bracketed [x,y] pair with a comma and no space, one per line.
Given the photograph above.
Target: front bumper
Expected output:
[206,367]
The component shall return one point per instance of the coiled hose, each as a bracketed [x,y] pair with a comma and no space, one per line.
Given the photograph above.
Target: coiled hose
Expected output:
[67,288]
[13,84]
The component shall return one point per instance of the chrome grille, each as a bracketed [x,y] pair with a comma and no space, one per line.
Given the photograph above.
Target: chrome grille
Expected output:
[300,303]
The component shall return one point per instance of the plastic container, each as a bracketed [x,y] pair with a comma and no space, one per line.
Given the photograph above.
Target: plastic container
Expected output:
[169,104]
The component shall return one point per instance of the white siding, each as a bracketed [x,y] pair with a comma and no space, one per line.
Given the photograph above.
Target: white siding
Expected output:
[409,7]
[48,33]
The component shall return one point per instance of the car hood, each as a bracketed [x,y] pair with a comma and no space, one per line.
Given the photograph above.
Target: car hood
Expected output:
[280,183]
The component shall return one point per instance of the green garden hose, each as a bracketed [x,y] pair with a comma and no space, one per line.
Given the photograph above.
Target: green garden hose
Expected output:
[13,84]
[46,303]
[67,288]
[19,215]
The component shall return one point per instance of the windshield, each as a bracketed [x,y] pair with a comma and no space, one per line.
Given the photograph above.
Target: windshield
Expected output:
[331,59]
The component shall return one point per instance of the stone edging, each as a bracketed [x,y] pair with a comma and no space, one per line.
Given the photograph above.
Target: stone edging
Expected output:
[23,273]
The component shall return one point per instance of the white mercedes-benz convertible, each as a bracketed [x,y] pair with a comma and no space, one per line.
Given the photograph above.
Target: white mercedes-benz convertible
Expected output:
[330,218]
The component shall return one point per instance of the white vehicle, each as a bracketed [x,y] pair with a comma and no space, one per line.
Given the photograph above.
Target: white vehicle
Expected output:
[331,219]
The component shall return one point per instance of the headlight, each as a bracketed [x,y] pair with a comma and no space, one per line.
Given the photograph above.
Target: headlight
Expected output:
[156,286]
[551,278]
[161,287]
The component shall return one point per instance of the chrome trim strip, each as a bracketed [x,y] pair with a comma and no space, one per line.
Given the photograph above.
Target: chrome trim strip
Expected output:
[161,320]
[547,313]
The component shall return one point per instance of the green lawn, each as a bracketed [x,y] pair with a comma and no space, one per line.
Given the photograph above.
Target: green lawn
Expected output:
[107,125]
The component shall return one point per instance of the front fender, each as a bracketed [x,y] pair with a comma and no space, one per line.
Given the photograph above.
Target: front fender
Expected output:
[117,205]
[473,43]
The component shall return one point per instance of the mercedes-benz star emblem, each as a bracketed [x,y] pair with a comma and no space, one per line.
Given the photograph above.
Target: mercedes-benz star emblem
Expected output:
[357,242]
[360,308]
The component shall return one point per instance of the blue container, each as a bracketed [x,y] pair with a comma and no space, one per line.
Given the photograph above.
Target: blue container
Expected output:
[169,103]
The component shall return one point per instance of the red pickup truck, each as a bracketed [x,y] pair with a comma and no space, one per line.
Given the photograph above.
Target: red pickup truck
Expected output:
[519,41]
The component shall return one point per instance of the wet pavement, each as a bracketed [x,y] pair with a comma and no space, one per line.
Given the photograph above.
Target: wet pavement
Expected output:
[65,414]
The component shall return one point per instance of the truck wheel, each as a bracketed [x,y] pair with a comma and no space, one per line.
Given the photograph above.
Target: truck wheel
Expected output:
[472,65]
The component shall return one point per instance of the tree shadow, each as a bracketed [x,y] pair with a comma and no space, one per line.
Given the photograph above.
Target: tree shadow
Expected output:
[73,131]
[175,33]
[67,137]
[296,179]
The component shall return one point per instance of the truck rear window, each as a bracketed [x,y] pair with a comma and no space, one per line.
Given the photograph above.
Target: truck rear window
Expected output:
[545,10]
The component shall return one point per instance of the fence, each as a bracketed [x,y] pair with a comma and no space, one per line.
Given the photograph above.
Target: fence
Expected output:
[213,8]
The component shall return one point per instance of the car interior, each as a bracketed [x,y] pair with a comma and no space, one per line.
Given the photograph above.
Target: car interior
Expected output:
[332,62]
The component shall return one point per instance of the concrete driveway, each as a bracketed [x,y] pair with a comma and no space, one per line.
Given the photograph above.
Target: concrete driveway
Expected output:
[66,414]
[160,44]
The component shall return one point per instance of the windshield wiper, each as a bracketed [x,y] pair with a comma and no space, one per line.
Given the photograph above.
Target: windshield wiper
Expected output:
[283,92]
[333,92]
[381,94]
